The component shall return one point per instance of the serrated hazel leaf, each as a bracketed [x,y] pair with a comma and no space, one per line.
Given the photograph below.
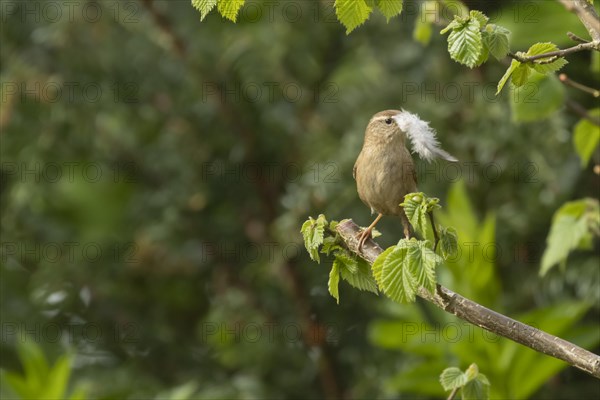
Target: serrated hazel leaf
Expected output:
[465,43]
[448,243]
[480,17]
[452,378]
[330,244]
[424,264]
[415,206]
[476,389]
[520,75]
[390,8]
[541,48]
[497,40]
[586,137]
[456,23]
[513,65]
[347,261]
[352,13]
[396,278]
[549,67]
[230,8]
[204,6]
[377,266]
[541,65]
[361,278]
[334,281]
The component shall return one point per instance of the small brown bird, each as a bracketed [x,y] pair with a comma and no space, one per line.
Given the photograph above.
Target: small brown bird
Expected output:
[384,170]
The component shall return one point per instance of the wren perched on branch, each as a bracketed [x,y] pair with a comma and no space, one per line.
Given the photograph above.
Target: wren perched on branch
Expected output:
[384,170]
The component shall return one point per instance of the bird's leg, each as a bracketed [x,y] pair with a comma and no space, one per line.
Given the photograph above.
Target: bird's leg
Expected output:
[366,234]
[435,234]
[408,231]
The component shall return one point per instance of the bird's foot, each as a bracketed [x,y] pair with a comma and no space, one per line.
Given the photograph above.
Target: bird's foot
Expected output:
[363,237]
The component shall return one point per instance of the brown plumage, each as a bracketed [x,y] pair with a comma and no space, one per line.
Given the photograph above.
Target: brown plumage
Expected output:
[384,171]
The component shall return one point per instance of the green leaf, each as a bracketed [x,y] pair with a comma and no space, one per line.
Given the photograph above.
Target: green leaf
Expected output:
[465,43]
[334,281]
[448,243]
[569,228]
[496,38]
[586,137]
[230,8]
[204,6]
[58,378]
[422,31]
[595,64]
[347,262]
[452,378]
[352,13]
[415,207]
[396,278]
[313,232]
[480,17]
[513,66]
[539,98]
[476,389]
[390,8]
[377,266]
[360,277]
[423,262]
[541,64]
[520,75]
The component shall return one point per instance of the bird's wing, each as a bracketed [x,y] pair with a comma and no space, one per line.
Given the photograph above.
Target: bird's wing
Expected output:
[421,136]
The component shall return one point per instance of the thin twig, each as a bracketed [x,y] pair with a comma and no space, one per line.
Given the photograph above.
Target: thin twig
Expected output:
[453,393]
[581,111]
[567,81]
[576,38]
[435,233]
[483,317]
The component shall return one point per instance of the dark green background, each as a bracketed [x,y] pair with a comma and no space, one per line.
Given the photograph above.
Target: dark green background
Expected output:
[156,171]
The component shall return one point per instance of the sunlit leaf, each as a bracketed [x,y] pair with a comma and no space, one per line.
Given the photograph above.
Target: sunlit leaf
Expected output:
[390,8]
[352,13]
[230,8]
[452,378]
[204,6]
[586,137]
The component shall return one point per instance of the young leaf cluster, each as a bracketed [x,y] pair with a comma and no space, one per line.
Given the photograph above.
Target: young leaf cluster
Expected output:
[472,39]
[417,207]
[573,227]
[472,384]
[400,270]
[520,73]
[320,237]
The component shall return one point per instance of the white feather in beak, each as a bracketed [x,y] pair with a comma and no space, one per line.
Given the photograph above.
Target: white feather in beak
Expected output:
[421,136]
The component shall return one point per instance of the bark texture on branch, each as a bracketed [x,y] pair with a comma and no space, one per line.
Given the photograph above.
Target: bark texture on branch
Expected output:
[586,14]
[483,317]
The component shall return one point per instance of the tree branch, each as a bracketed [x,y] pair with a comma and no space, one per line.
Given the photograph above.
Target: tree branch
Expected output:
[483,317]
[553,55]
[586,14]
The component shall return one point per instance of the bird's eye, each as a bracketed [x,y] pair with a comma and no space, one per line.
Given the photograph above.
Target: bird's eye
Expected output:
[388,121]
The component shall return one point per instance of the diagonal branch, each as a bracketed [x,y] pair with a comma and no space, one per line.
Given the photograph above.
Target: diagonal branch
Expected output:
[483,317]
[586,14]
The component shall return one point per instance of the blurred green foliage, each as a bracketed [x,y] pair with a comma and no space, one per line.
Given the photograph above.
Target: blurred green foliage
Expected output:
[155,171]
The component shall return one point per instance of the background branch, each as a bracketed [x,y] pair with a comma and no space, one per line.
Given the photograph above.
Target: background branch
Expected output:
[586,14]
[483,317]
